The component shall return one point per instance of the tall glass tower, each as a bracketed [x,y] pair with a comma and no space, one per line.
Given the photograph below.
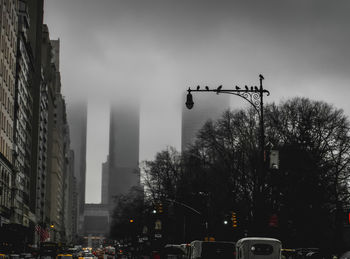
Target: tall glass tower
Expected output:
[124,138]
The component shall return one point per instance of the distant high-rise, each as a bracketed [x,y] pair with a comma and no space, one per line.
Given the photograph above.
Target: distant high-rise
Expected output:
[123,149]
[77,119]
[206,107]
[121,170]
[105,180]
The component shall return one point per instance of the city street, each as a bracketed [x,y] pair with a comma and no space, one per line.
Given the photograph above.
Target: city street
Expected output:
[174,129]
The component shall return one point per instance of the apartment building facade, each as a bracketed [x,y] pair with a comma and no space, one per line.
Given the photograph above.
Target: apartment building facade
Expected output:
[22,121]
[36,162]
[8,52]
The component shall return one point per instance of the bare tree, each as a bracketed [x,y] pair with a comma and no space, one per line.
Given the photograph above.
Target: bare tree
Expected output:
[314,142]
[217,174]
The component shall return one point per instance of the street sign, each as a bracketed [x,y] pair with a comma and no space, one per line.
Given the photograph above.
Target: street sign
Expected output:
[274,159]
[158,224]
[145,230]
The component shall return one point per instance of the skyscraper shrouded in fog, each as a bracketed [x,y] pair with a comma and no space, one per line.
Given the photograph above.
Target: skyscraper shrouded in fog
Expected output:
[207,107]
[77,117]
[121,171]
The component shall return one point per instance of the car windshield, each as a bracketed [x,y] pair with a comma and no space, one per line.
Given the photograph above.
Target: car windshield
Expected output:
[218,250]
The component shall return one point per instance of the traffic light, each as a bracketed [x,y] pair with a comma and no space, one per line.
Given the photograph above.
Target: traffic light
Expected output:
[234,219]
[273,221]
[347,218]
[159,207]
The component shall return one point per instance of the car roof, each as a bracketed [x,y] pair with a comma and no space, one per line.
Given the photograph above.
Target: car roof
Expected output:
[257,239]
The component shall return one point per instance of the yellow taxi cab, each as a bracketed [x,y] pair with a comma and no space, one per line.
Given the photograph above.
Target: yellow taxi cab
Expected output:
[63,256]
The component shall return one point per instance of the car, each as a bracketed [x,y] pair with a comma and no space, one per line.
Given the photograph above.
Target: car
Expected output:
[72,250]
[258,247]
[64,256]
[211,249]
[288,253]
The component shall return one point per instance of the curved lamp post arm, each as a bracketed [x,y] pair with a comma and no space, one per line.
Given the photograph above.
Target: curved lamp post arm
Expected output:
[185,205]
[252,94]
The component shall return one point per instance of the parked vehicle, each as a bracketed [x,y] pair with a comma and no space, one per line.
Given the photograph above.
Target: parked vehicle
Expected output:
[211,249]
[258,248]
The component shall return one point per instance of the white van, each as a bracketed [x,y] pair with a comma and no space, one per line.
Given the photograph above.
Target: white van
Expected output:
[258,248]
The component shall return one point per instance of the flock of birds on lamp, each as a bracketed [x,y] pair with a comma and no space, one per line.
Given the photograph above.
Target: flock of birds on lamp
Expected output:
[218,89]
[238,89]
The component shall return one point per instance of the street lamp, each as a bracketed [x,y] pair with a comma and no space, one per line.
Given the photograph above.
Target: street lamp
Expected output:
[189,100]
[254,95]
[52,227]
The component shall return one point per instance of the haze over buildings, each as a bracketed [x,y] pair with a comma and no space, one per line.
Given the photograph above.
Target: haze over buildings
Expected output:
[160,48]
[205,108]
[77,119]
[121,170]
[124,142]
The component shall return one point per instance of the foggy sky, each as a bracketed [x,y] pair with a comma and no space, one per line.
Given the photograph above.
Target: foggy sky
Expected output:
[157,49]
